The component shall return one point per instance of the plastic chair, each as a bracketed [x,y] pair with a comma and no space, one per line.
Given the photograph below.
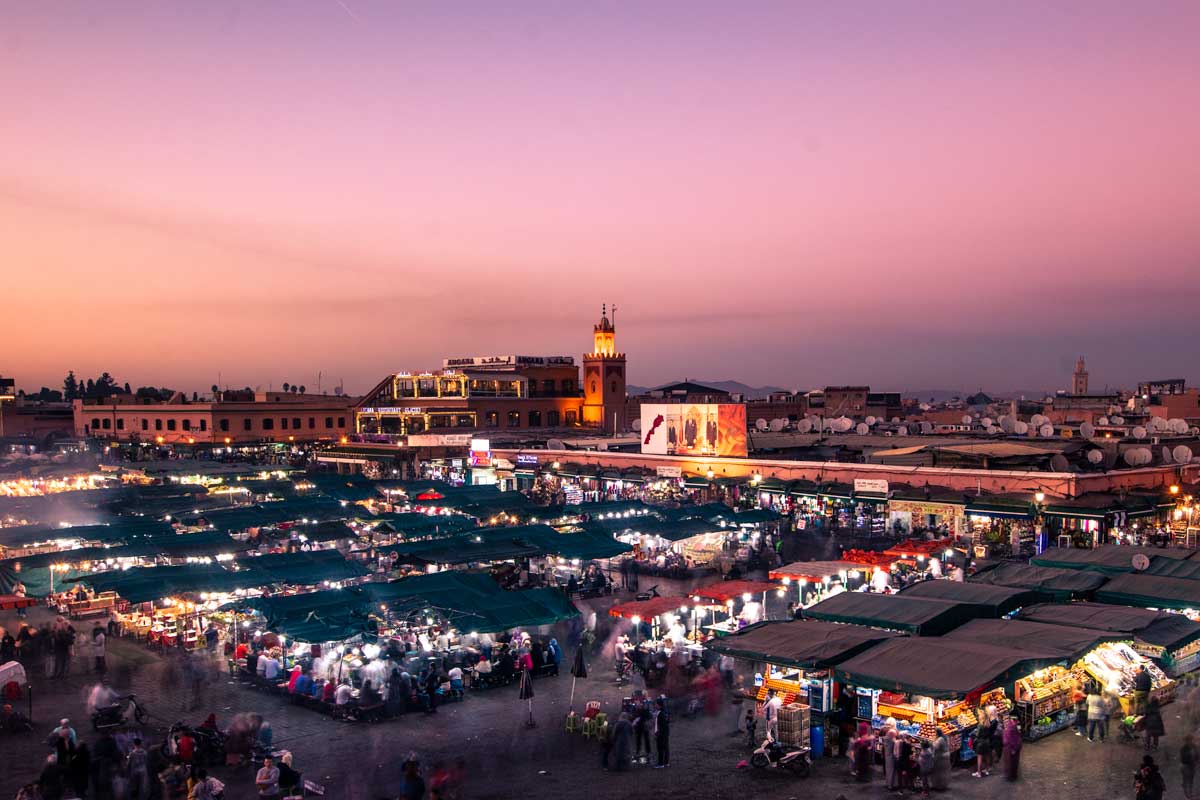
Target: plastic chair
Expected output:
[590,727]
[572,723]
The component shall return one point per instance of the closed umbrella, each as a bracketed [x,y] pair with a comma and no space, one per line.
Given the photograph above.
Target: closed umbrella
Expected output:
[526,693]
[578,670]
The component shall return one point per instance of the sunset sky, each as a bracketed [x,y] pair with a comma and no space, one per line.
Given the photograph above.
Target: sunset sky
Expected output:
[912,194]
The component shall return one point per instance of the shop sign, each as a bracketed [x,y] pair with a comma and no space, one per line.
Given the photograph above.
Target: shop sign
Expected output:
[456,462]
[870,486]
[918,507]
[381,410]
[528,458]
[439,439]
[481,453]
[669,472]
[508,361]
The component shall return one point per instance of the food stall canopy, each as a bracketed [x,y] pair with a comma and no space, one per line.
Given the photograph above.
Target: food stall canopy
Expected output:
[329,531]
[677,531]
[1111,559]
[472,601]
[752,516]
[173,545]
[1151,591]
[988,601]
[1000,508]
[816,571]
[703,511]
[266,514]
[1050,583]
[1188,569]
[351,488]
[805,644]
[119,531]
[1170,631]
[648,609]
[585,544]
[304,568]
[146,584]
[733,590]
[937,667]
[415,524]
[1036,639]
[893,612]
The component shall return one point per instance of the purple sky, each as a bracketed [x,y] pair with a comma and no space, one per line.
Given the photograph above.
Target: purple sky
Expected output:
[910,194]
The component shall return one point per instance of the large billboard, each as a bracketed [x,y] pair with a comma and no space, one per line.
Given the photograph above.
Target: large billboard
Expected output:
[694,429]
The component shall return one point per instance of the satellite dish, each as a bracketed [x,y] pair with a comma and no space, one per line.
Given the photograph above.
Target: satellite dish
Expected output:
[557,444]
[1046,431]
[1087,430]
[895,420]
[1166,455]
[926,427]
[760,423]
[1179,425]
[1059,463]
[1141,562]
[862,429]
[1117,420]
[986,422]
[966,420]
[636,424]
[1095,456]
[992,430]
[1037,420]
[902,430]
[925,406]
[871,420]
[1182,453]
[1020,428]
[804,425]
[1102,421]
[778,424]
[1139,432]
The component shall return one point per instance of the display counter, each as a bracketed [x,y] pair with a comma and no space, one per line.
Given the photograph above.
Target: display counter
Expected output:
[1114,665]
[1043,700]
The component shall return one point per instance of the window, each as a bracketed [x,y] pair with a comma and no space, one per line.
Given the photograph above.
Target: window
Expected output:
[171,424]
[145,424]
[158,424]
[312,422]
[491,419]
[552,418]
[548,386]
[268,424]
[568,386]
[570,417]
[514,419]
[295,423]
[247,424]
[121,424]
[95,423]
[203,424]
[187,424]
[224,424]
[341,422]
[283,423]
[106,423]
[613,387]
[535,419]
[329,422]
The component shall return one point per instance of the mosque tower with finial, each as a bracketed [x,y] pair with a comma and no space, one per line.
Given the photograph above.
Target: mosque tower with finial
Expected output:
[1079,380]
[604,378]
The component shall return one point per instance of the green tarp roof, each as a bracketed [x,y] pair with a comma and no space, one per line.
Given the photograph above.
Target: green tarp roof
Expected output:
[120,530]
[1151,591]
[1050,583]
[204,543]
[805,644]
[473,601]
[1171,631]
[893,612]
[1111,559]
[1036,639]
[937,667]
[265,514]
[1174,568]
[989,601]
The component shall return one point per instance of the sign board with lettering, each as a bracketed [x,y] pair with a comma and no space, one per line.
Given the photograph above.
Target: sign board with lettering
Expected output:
[528,458]
[439,439]
[870,486]
[509,361]
[669,472]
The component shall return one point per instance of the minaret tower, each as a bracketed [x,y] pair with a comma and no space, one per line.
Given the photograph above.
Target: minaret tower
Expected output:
[1079,381]
[604,378]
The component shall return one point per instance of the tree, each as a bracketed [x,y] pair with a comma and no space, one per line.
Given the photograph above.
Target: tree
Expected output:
[127,390]
[90,389]
[301,390]
[215,389]
[70,386]
[286,386]
[21,393]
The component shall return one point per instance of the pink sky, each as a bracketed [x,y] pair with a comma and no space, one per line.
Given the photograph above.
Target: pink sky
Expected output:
[913,195]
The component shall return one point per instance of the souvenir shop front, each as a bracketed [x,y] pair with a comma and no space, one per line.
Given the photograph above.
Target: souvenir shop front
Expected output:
[909,516]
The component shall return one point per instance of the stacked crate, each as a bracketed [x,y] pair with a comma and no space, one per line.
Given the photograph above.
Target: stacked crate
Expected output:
[795,721]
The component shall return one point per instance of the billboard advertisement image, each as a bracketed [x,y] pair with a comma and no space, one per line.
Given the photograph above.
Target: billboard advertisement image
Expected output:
[694,429]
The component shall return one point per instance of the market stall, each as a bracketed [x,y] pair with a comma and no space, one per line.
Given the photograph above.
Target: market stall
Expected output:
[814,580]
[984,600]
[1050,584]
[751,595]
[1172,640]
[1110,559]
[1153,591]
[797,656]
[916,615]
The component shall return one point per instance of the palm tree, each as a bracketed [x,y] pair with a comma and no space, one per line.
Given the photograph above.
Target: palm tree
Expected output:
[286,386]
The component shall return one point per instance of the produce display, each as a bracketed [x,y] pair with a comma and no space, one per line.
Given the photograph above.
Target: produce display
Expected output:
[1046,692]
[1115,665]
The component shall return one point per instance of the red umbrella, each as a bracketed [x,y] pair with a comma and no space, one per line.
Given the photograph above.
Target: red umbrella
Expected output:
[431,494]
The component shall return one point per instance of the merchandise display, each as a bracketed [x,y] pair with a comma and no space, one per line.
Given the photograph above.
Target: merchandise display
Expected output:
[1114,665]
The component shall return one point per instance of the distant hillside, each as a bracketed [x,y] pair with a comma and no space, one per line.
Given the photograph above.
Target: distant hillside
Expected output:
[734,387]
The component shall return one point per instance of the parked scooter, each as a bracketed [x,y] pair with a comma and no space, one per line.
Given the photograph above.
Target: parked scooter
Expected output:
[125,710]
[772,754]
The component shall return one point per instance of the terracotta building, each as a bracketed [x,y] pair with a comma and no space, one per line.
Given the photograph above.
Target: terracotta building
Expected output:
[227,418]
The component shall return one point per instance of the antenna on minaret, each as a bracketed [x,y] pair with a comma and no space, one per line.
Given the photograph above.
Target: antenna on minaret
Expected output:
[604,309]
[614,315]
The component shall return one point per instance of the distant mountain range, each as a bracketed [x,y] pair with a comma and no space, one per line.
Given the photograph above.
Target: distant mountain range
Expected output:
[924,395]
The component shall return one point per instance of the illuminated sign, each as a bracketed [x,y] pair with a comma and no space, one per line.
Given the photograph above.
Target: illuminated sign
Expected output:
[870,486]
[527,458]
[669,472]
[509,361]
[694,429]
[481,453]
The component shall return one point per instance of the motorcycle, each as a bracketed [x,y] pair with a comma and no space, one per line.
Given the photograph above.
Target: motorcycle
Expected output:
[123,711]
[650,593]
[772,754]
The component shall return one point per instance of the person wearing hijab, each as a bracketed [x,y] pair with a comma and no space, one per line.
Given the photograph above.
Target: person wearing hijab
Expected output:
[864,752]
[941,763]
[1011,741]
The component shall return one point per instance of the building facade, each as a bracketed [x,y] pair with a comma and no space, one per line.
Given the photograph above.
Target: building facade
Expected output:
[227,418]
